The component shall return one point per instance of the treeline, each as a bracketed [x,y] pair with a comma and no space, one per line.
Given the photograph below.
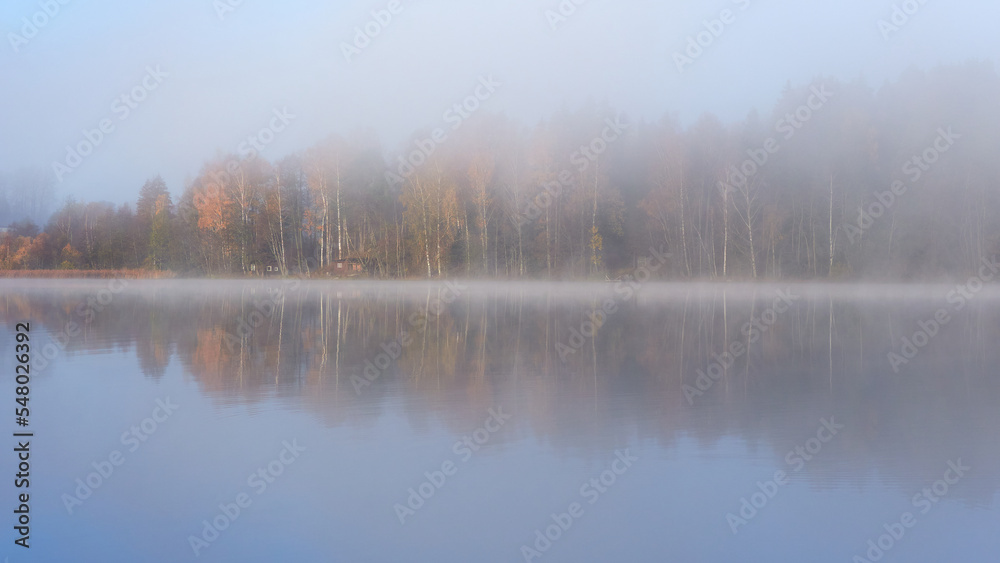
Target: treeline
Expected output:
[838,180]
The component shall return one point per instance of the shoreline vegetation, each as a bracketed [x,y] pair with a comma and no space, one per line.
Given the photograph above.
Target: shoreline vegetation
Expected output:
[967,285]
[133,274]
[839,181]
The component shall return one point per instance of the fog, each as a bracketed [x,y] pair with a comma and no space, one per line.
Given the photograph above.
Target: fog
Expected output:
[216,73]
[476,260]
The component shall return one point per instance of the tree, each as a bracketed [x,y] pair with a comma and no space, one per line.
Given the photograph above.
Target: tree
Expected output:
[159,236]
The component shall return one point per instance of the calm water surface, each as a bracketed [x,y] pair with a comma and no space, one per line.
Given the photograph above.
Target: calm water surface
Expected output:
[376,422]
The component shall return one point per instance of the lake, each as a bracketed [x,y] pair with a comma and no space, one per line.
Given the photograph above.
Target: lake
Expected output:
[460,421]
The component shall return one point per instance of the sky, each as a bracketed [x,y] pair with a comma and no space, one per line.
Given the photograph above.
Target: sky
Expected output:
[174,83]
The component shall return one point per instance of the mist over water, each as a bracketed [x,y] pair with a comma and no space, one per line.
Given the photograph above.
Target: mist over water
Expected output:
[380,382]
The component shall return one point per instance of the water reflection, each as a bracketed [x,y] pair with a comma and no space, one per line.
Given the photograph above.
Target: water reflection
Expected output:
[349,353]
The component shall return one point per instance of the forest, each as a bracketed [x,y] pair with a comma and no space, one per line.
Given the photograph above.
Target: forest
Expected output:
[838,180]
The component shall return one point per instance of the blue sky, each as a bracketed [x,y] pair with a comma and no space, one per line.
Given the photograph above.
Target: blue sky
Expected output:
[222,78]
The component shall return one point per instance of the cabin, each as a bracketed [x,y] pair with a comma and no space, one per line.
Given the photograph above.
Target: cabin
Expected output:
[346,266]
[264,269]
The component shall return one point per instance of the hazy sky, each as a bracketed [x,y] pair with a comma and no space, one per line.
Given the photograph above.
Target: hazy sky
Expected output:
[216,80]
